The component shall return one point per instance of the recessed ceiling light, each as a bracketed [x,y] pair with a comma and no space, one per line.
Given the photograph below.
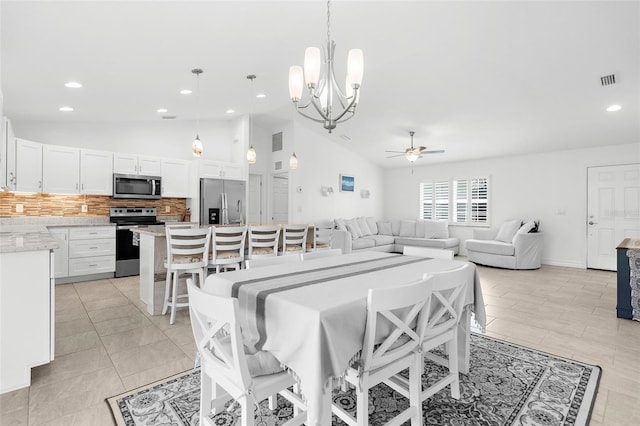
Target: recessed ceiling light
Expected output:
[261,95]
[65,109]
[73,84]
[162,110]
[614,108]
[185,92]
[231,111]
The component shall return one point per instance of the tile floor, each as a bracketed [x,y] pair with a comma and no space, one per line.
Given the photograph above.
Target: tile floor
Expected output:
[106,343]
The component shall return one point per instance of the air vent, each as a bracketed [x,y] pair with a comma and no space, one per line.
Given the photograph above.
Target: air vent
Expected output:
[276,142]
[607,80]
[169,117]
[278,165]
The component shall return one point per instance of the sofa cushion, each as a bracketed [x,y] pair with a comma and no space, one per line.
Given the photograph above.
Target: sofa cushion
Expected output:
[382,240]
[340,224]
[492,247]
[407,228]
[508,230]
[384,228]
[352,230]
[436,229]
[364,226]
[354,225]
[420,228]
[395,226]
[441,243]
[363,243]
[373,225]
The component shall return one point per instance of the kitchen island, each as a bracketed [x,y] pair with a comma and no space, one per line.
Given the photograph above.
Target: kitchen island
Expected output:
[27,296]
[153,251]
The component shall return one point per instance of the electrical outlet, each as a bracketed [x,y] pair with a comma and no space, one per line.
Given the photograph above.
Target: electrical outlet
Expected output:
[167,209]
[84,208]
[19,208]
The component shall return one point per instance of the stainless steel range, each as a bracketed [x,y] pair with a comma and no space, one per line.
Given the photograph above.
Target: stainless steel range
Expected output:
[128,253]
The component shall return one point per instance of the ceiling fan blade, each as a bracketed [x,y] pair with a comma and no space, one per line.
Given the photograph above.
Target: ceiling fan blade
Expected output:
[421,148]
[436,151]
[397,152]
[397,155]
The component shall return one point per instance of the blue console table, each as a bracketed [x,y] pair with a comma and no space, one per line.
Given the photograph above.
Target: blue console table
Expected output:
[628,279]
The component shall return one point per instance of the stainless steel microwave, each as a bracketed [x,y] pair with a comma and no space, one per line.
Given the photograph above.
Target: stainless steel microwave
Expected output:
[136,186]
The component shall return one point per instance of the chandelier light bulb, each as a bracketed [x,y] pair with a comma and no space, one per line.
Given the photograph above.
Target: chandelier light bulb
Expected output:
[196,147]
[355,67]
[312,61]
[296,83]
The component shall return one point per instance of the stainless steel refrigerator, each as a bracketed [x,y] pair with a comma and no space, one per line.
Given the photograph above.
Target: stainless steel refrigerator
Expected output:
[222,201]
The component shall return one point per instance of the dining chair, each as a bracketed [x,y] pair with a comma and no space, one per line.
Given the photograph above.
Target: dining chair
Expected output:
[439,325]
[322,232]
[294,238]
[322,253]
[390,345]
[431,252]
[226,371]
[272,260]
[263,240]
[187,253]
[227,247]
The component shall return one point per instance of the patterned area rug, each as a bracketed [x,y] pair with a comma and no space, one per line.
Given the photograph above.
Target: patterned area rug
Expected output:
[507,385]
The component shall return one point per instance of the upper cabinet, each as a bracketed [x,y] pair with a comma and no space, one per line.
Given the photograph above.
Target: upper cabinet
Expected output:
[96,172]
[60,169]
[8,156]
[175,178]
[132,164]
[28,166]
[219,169]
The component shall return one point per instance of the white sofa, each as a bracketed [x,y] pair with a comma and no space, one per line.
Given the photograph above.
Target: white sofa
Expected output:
[512,246]
[391,235]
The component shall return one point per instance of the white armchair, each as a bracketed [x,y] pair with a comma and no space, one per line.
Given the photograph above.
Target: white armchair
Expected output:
[523,251]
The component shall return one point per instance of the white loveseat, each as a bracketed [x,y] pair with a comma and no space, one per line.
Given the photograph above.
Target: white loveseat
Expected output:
[392,235]
[512,246]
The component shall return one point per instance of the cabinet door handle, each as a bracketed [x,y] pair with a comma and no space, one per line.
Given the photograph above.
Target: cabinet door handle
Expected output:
[76,186]
[93,248]
[93,265]
[83,186]
[39,184]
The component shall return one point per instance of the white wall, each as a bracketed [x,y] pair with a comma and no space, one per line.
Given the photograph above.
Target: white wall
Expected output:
[551,187]
[167,138]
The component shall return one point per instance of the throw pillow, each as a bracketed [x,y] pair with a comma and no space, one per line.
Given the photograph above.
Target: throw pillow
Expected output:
[395,226]
[420,228]
[408,228]
[364,226]
[508,230]
[352,229]
[355,226]
[341,225]
[430,228]
[442,229]
[384,228]
[527,227]
[373,226]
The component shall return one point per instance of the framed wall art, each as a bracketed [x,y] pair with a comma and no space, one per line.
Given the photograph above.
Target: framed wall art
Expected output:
[347,183]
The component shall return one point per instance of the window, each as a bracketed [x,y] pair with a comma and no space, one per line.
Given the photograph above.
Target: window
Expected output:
[465,201]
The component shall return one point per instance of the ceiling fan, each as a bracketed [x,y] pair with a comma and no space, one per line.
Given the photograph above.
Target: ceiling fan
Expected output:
[413,153]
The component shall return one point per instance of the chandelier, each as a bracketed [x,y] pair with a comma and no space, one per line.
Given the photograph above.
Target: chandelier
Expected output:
[196,146]
[331,104]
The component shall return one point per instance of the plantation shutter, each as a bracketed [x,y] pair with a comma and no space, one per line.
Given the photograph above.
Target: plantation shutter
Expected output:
[479,200]
[442,200]
[426,200]
[461,201]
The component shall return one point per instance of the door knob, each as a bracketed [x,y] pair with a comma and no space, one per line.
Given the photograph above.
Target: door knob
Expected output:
[592,222]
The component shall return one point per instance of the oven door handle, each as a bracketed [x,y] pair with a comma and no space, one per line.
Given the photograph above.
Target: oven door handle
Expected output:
[125,227]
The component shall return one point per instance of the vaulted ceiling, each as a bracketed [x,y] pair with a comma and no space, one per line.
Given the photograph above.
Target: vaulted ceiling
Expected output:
[477,79]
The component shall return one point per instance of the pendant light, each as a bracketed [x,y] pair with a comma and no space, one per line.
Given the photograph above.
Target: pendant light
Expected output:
[251,153]
[196,146]
[293,161]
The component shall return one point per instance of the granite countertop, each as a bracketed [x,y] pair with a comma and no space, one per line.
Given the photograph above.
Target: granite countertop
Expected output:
[19,238]
[159,230]
[630,244]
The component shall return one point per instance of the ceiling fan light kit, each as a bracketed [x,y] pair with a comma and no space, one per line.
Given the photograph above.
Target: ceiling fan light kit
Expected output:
[414,153]
[331,104]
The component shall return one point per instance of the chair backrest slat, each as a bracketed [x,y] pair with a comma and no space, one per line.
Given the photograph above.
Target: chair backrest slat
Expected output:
[264,236]
[228,239]
[187,242]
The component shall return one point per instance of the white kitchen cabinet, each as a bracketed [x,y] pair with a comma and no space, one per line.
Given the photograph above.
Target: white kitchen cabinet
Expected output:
[175,178]
[61,254]
[96,172]
[219,169]
[132,164]
[5,125]
[27,314]
[92,250]
[60,169]
[28,166]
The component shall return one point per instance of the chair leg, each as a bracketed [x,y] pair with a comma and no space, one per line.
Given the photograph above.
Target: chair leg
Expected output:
[415,389]
[362,406]
[174,297]
[167,291]
[206,395]
[453,365]
[247,406]
[273,401]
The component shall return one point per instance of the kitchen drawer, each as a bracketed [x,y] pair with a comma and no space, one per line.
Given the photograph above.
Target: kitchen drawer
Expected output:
[92,265]
[92,232]
[89,248]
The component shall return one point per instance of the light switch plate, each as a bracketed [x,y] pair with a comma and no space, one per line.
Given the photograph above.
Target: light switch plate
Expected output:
[167,209]
[19,208]
[84,208]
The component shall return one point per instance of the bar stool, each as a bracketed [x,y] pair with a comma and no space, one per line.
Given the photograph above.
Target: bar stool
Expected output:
[227,247]
[294,239]
[263,240]
[322,236]
[187,253]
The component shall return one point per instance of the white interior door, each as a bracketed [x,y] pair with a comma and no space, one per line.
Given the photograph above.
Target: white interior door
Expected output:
[613,212]
[280,207]
[254,215]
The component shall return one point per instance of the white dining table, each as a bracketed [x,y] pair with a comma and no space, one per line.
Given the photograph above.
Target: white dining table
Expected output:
[311,315]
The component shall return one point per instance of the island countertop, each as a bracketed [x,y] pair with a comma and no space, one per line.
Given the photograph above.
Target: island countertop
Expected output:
[630,243]
[19,238]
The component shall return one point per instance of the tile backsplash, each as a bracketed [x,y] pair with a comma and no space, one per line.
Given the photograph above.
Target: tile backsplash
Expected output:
[38,205]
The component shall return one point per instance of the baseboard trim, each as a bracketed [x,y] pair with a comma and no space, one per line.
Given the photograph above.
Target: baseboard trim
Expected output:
[564,263]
